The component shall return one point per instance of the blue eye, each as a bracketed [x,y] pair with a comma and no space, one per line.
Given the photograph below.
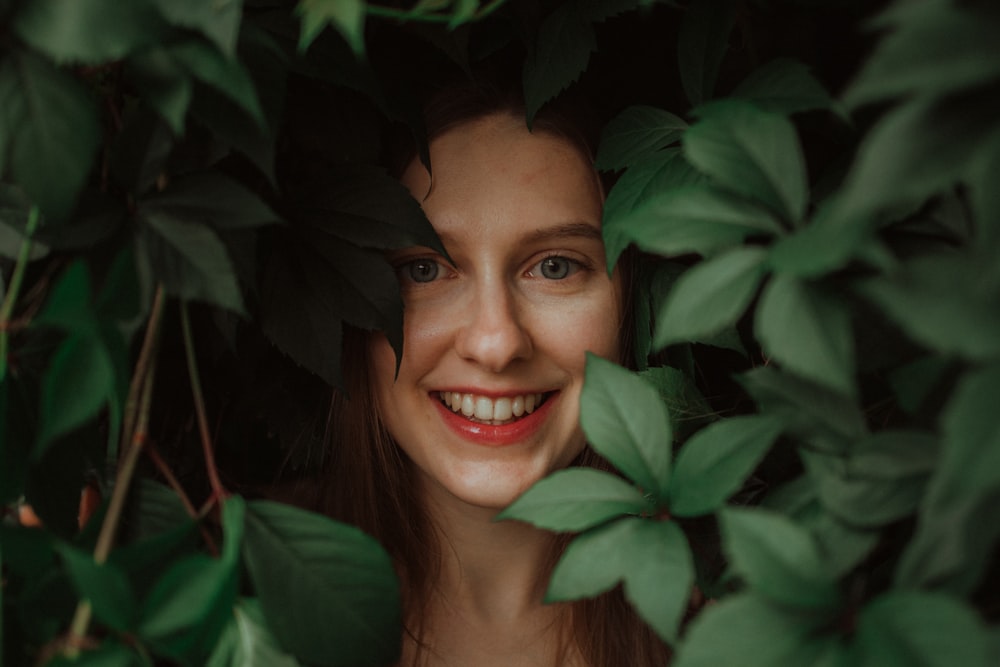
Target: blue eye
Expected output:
[421,270]
[557,268]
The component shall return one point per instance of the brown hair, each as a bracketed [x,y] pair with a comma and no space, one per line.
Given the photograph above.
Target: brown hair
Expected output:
[371,482]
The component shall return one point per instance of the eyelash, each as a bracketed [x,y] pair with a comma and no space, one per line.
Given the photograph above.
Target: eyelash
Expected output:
[403,268]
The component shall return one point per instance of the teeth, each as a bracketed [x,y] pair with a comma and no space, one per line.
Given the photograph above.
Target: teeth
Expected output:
[488,410]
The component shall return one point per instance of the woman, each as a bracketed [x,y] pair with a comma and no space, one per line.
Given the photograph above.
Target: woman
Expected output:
[486,399]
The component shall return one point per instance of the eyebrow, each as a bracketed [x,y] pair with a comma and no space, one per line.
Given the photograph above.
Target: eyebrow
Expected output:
[561,231]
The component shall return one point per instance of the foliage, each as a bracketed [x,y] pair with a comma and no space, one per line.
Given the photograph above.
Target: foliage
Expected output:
[191,213]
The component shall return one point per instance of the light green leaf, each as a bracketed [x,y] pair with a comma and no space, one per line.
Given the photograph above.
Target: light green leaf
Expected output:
[346,16]
[635,134]
[702,44]
[328,591]
[914,629]
[103,585]
[714,462]
[956,534]
[710,296]
[246,641]
[752,152]
[826,244]
[626,422]
[808,331]
[784,86]
[651,558]
[576,499]
[218,20]
[778,559]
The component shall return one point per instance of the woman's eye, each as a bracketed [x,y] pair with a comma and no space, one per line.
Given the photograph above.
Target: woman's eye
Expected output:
[557,268]
[421,270]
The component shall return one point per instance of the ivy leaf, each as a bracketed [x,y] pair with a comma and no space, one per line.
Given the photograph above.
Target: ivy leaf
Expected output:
[651,558]
[955,535]
[626,422]
[778,559]
[103,585]
[328,591]
[828,243]
[715,461]
[917,628]
[87,31]
[218,21]
[246,641]
[576,499]
[164,84]
[346,16]
[228,77]
[785,87]
[808,331]
[635,134]
[214,199]
[752,152]
[51,127]
[702,44]
[710,296]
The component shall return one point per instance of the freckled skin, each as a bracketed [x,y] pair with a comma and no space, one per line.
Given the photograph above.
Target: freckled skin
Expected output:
[502,200]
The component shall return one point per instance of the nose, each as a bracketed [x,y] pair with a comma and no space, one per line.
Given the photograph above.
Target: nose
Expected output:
[494,334]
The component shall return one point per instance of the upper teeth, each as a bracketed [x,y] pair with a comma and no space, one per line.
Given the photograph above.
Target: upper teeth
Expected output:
[484,408]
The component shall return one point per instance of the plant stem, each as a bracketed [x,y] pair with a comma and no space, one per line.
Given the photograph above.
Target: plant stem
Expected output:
[16,278]
[149,344]
[174,484]
[218,491]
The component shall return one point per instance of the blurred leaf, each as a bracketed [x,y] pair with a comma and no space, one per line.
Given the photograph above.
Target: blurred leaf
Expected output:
[808,331]
[925,629]
[27,552]
[702,44]
[914,382]
[752,152]
[778,559]
[213,199]
[985,201]
[103,585]
[715,462]
[227,77]
[109,653]
[710,296]
[636,134]
[246,641]
[576,499]
[328,591]
[686,406]
[87,31]
[154,509]
[956,537]
[929,48]
[141,149]
[784,86]
[164,84]
[218,21]
[826,244]
[626,422]
[651,558]
[51,128]
[346,16]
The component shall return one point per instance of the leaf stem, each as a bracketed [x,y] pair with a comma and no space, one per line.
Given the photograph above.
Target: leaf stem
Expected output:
[149,345]
[174,484]
[17,277]
[218,491]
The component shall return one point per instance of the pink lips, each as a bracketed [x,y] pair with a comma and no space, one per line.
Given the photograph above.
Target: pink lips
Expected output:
[503,434]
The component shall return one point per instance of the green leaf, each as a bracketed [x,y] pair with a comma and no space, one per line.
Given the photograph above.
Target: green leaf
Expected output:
[784,86]
[752,152]
[651,558]
[51,128]
[918,629]
[213,199]
[576,499]
[635,134]
[715,462]
[710,296]
[109,653]
[626,422]
[808,331]
[930,48]
[756,633]
[188,259]
[826,244]
[69,303]
[87,31]
[328,591]
[103,585]
[702,44]
[218,21]
[956,536]
[985,201]
[247,642]
[700,218]
[227,77]
[346,16]
[164,84]
[778,559]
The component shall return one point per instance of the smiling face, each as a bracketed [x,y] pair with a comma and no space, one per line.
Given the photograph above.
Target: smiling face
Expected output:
[487,398]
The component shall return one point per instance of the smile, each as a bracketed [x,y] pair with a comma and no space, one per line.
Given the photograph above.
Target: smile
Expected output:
[494,411]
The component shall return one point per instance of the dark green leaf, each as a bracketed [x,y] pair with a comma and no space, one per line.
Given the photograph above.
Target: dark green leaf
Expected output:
[808,331]
[246,641]
[576,499]
[985,200]
[103,585]
[27,552]
[701,219]
[956,536]
[68,305]
[141,149]
[784,86]
[914,382]
[155,509]
[651,558]
[328,591]
[214,199]
[685,404]
[219,21]
[710,296]
[346,16]
[909,629]
[51,128]
[703,42]
[636,134]
[714,463]
[108,654]
[227,77]
[87,31]
[752,152]
[164,84]
[778,559]
[626,422]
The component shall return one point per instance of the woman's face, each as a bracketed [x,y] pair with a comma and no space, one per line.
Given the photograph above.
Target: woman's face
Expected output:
[487,398]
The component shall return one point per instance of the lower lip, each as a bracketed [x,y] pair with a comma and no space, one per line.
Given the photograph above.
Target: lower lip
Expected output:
[496,435]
